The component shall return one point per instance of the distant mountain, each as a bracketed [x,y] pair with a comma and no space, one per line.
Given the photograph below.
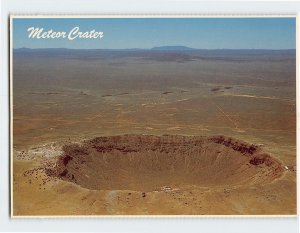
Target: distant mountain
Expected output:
[168,48]
[23,49]
[163,48]
[158,51]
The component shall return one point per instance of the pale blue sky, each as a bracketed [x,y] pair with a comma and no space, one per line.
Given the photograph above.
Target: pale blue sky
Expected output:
[201,33]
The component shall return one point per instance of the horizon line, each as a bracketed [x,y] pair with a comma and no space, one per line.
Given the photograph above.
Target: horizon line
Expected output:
[158,48]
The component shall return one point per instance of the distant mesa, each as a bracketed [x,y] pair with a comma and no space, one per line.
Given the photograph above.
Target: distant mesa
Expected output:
[23,49]
[170,48]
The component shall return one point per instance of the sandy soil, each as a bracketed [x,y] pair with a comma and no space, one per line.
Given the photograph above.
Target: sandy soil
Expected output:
[251,100]
[191,175]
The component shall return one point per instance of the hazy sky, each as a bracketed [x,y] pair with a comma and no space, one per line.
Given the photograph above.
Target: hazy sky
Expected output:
[202,33]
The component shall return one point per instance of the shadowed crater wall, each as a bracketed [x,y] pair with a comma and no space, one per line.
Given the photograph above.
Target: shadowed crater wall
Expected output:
[147,162]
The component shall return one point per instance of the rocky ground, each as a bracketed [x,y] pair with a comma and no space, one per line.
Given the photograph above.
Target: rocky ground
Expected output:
[145,174]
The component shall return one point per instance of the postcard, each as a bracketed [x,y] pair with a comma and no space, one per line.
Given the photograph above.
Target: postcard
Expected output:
[153,116]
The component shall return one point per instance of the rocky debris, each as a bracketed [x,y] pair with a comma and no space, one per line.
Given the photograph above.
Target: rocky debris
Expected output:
[290,168]
[39,175]
[236,145]
[24,155]
[66,159]
[41,151]
[257,161]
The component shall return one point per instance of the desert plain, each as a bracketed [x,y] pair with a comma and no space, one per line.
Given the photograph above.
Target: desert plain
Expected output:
[164,131]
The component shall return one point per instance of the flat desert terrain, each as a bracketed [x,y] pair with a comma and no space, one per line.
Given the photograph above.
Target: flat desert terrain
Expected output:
[153,132]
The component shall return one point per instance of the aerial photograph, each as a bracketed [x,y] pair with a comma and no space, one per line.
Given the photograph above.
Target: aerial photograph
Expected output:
[163,116]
